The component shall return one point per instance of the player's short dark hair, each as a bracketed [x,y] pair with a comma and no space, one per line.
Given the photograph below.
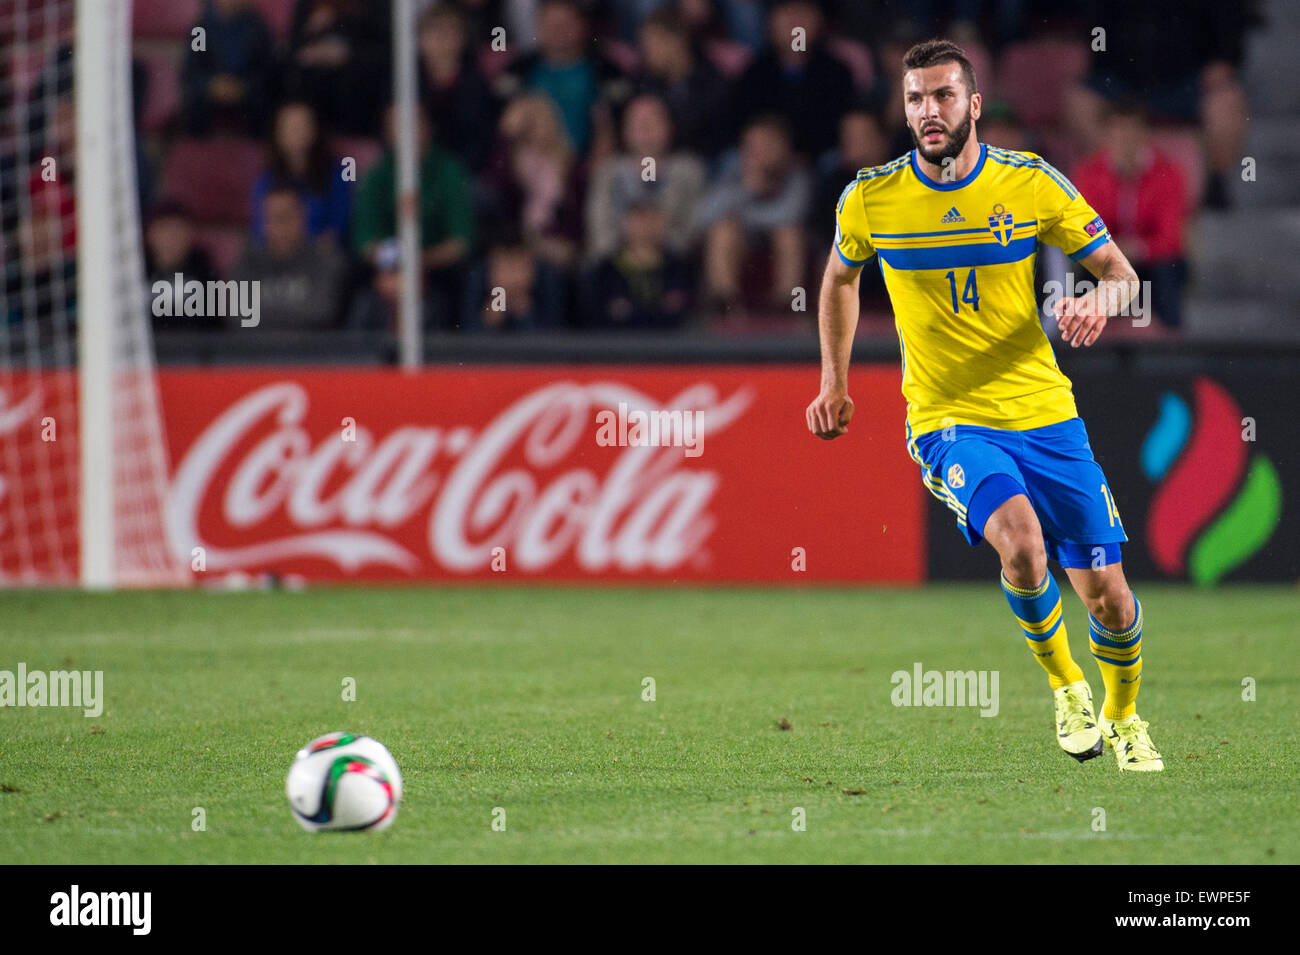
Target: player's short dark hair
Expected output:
[936,51]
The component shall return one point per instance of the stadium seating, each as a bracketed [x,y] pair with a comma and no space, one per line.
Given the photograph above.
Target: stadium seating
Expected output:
[278,15]
[164,88]
[1184,146]
[164,19]
[857,57]
[982,63]
[363,149]
[215,175]
[224,244]
[1035,76]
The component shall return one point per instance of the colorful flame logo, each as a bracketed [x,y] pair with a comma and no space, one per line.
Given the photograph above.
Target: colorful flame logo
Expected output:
[1214,509]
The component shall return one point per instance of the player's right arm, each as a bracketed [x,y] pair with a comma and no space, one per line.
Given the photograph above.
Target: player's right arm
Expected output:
[837,317]
[837,320]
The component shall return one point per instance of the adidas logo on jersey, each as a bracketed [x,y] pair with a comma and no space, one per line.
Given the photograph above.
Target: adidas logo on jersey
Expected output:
[953,215]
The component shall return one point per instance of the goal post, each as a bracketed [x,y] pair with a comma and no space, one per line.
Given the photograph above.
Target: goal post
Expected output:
[83,455]
[97,51]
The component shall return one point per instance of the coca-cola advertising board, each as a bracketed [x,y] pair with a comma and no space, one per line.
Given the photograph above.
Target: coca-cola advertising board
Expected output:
[539,473]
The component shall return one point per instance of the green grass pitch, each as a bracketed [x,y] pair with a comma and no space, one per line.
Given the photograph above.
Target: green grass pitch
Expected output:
[531,700]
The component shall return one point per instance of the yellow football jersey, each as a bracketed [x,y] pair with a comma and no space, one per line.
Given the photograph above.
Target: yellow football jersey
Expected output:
[958,261]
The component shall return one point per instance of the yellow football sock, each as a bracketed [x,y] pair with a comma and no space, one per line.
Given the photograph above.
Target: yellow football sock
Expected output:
[1119,656]
[1040,616]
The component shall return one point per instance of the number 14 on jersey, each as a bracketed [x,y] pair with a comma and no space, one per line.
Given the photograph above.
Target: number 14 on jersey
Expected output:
[970,293]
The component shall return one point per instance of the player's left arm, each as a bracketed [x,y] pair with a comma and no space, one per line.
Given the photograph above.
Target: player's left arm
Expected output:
[1082,318]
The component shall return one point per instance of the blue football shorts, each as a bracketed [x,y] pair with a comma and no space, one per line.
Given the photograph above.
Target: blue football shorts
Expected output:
[974,470]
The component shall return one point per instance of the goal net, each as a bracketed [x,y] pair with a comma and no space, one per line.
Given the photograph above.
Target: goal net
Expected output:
[83,461]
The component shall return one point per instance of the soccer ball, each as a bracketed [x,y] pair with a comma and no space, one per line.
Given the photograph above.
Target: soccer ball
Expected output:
[344,783]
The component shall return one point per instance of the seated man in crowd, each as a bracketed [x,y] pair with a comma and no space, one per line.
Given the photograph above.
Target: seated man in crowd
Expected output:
[302,282]
[230,78]
[170,251]
[760,200]
[447,229]
[675,180]
[799,81]
[644,284]
[513,289]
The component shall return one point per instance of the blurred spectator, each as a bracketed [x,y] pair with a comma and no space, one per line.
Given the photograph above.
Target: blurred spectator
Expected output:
[447,225]
[301,281]
[999,126]
[38,227]
[340,53]
[512,290]
[744,20]
[482,15]
[807,86]
[739,21]
[760,199]
[892,48]
[677,181]
[1194,79]
[300,157]
[1141,195]
[41,280]
[630,14]
[458,98]
[52,182]
[697,96]
[535,181]
[229,80]
[169,252]
[862,144]
[563,68]
[643,284]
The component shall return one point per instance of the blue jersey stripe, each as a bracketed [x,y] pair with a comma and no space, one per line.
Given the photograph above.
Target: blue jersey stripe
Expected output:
[960,256]
[1011,159]
[876,171]
[929,235]
[1066,186]
[848,261]
[1091,247]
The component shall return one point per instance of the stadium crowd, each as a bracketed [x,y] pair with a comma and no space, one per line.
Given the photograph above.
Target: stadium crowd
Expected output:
[646,164]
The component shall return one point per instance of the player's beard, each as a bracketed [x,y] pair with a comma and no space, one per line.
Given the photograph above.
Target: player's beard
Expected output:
[951,149]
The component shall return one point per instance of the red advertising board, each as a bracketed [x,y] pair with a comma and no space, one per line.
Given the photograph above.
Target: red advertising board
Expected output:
[540,473]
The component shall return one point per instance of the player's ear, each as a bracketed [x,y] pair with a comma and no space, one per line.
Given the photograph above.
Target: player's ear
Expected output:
[976,101]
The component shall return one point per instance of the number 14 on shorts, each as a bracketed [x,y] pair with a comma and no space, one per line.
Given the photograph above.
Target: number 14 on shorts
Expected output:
[1111,510]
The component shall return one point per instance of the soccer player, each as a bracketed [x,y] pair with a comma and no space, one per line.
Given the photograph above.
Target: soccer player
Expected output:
[991,420]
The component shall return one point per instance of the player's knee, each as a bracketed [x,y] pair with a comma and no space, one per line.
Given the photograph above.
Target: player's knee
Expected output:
[1024,559]
[1113,607]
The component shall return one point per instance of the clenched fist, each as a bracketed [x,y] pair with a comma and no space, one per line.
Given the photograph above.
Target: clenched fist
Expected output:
[829,414]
